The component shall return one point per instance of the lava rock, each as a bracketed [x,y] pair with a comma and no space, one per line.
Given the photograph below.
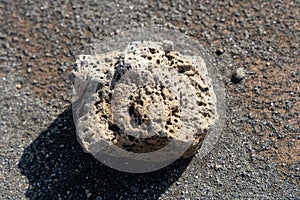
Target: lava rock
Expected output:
[141,99]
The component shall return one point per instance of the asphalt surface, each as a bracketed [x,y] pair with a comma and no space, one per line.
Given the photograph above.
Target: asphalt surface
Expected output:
[257,156]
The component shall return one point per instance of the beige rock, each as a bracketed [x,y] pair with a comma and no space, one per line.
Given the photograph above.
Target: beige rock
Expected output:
[141,99]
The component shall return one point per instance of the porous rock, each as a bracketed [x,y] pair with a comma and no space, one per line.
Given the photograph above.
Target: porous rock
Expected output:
[165,96]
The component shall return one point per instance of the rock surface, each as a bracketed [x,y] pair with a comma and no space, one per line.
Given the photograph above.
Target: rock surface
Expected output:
[141,99]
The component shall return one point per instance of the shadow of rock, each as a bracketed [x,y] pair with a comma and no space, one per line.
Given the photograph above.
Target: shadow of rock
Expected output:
[57,168]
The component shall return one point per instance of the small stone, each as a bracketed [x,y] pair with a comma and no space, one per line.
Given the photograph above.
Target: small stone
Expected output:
[219,52]
[18,85]
[238,75]
[62,68]
[4,45]
[218,167]
[134,189]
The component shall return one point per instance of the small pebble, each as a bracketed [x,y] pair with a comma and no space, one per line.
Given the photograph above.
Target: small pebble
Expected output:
[18,86]
[219,52]
[238,75]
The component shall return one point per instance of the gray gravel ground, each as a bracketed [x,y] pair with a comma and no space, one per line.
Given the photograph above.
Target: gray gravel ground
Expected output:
[258,153]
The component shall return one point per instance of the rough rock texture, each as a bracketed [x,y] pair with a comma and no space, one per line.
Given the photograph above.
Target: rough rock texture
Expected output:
[142,98]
